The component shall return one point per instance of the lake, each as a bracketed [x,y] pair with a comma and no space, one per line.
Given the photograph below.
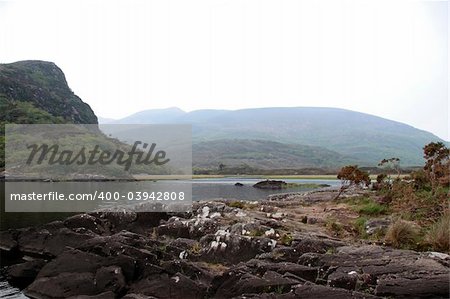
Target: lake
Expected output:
[202,189]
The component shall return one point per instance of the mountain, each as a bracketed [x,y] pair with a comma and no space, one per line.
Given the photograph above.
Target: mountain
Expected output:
[365,138]
[154,115]
[37,92]
[264,155]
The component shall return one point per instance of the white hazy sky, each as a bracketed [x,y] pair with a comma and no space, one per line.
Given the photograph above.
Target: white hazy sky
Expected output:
[388,58]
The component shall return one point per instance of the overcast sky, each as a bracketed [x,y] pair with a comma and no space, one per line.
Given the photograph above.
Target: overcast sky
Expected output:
[387,58]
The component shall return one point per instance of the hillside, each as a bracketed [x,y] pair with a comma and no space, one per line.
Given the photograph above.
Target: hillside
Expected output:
[37,92]
[264,155]
[363,137]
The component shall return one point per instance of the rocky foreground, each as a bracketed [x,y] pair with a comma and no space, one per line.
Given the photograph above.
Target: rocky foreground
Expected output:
[220,250]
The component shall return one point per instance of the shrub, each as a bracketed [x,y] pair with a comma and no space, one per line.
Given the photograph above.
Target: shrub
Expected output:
[401,234]
[439,234]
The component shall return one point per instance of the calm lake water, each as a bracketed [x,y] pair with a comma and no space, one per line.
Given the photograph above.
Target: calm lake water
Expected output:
[202,189]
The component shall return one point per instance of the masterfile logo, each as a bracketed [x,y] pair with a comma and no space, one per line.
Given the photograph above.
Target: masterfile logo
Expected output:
[74,168]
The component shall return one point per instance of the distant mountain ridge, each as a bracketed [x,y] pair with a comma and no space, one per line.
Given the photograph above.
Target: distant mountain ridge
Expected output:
[364,138]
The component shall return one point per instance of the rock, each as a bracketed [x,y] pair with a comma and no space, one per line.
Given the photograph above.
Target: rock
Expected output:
[227,248]
[72,261]
[277,215]
[268,209]
[223,253]
[104,295]
[271,223]
[62,285]
[300,271]
[186,244]
[279,280]
[45,243]
[312,220]
[199,228]
[8,240]
[345,278]
[439,256]
[21,275]
[85,221]
[248,229]
[165,286]
[138,296]
[239,184]
[130,251]
[130,267]
[270,184]
[176,228]
[236,283]
[376,225]
[110,279]
[310,259]
[310,290]
[9,249]
[281,254]
[406,285]
[131,221]
[199,272]
[310,243]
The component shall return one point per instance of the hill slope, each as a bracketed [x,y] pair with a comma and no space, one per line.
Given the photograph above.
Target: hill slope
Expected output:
[37,92]
[364,137]
[261,154]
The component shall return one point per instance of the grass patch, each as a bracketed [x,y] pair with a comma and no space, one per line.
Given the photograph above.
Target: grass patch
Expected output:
[402,234]
[360,227]
[439,234]
[196,248]
[334,227]
[304,185]
[256,233]
[286,239]
[365,206]
[236,204]
[371,209]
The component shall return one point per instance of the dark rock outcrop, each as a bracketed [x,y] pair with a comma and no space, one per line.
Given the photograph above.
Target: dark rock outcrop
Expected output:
[270,184]
[108,256]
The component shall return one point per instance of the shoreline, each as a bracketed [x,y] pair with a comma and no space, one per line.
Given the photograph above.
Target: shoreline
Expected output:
[274,247]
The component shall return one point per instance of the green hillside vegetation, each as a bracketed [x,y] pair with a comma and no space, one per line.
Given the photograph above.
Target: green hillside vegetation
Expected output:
[43,86]
[262,155]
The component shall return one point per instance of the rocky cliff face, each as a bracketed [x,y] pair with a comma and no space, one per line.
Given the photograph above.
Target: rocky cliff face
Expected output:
[37,92]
